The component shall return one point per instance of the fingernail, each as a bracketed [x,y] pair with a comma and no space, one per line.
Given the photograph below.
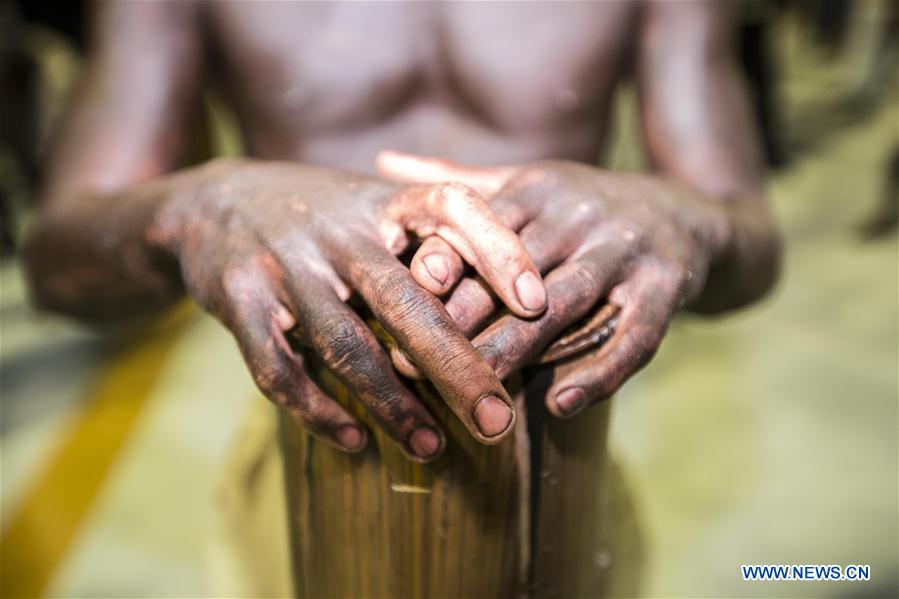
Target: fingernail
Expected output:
[424,442]
[437,267]
[492,415]
[350,437]
[571,400]
[530,292]
[488,352]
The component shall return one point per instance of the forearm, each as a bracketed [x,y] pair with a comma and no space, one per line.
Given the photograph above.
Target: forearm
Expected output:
[99,255]
[699,129]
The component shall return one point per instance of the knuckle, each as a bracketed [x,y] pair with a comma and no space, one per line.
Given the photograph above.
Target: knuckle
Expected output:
[537,173]
[237,281]
[458,192]
[390,287]
[345,345]
[562,310]
[271,380]
[386,401]
[677,281]
[508,211]
[453,364]
[633,237]
[676,273]
[587,214]
[390,406]
[403,301]
[554,311]
[456,199]
[540,178]
[674,278]
[411,311]
[584,277]
[644,345]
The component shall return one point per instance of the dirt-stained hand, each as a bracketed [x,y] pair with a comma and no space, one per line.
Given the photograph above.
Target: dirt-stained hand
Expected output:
[278,248]
[643,245]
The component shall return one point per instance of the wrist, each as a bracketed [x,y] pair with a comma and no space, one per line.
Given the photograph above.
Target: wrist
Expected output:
[746,264]
[717,228]
[178,200]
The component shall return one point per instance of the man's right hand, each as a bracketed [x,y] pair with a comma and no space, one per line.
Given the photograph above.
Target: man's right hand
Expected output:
[270,248]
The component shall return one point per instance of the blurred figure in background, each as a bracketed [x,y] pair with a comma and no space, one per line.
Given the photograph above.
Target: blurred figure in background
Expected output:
[18,118]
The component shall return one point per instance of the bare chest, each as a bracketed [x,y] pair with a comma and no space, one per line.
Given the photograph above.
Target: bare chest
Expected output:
[308,68]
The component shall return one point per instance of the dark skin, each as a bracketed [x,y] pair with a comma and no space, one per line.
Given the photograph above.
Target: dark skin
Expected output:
[269,247]
[644,245]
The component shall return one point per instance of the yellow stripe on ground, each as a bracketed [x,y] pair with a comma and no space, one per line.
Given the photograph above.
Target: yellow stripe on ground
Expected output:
[39,534]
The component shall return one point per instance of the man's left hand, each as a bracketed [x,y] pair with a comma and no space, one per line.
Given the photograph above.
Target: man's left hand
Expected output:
[638,242]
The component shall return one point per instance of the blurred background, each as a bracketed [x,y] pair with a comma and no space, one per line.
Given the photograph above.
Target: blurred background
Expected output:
[768,436]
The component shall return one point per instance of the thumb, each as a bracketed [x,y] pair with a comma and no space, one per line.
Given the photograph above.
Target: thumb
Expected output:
[410,168]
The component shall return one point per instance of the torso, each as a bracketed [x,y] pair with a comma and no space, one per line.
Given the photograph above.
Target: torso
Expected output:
[333,83]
